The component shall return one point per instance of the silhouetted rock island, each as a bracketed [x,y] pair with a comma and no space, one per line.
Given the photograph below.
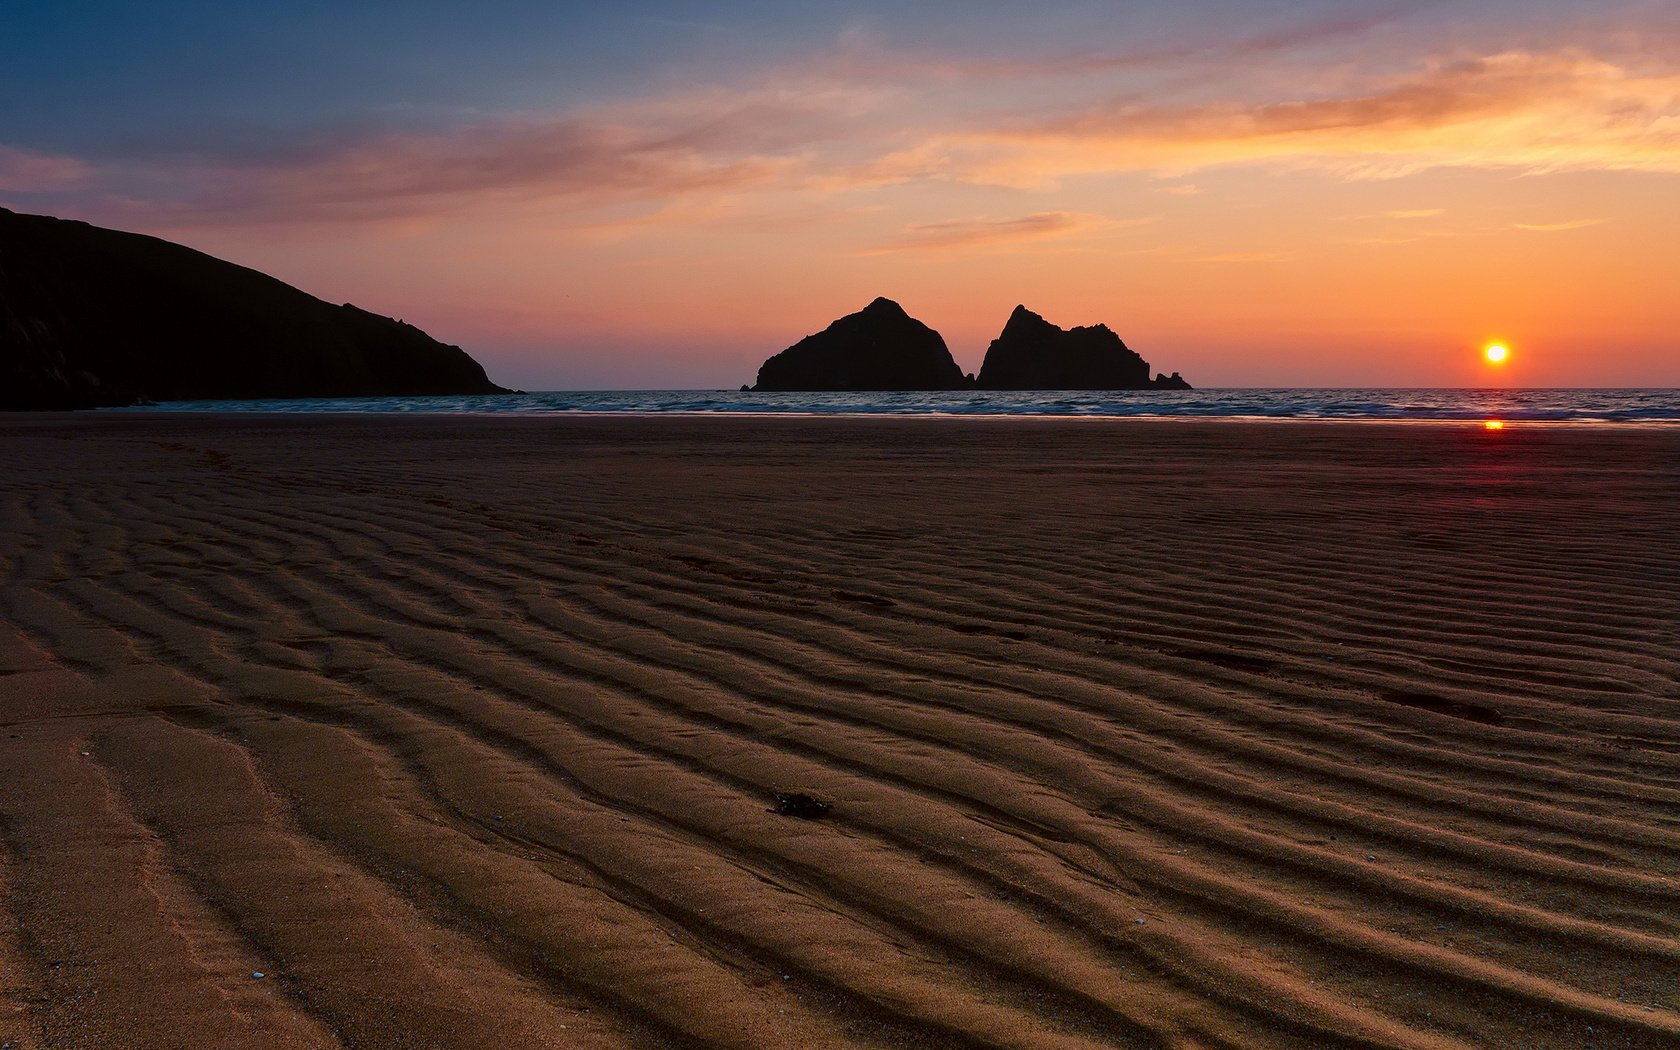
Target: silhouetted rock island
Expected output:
[883,348]
[92,317]
[1033,354]
[878,348]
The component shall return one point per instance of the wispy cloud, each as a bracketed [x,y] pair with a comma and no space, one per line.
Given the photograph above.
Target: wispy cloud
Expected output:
[1247,257]
[657,150]
[26,171]
[868,56]
[1378,242]
[1536,112]
[1558,227]
[856,123]
[394,175]
[974,233]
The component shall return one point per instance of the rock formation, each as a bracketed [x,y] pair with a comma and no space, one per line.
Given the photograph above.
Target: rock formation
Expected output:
[878,348]
[92,317]
[1033,354]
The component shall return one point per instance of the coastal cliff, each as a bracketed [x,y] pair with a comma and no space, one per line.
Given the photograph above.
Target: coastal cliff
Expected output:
[91,317]
[878,348]
[1033,354]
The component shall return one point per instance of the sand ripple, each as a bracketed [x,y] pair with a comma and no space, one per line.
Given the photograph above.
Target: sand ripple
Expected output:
[469,733]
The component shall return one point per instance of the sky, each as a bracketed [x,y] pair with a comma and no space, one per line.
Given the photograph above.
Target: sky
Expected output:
[660,195]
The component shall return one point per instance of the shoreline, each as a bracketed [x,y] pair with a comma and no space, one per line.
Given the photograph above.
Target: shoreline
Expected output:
[1600,407]
[1004,416]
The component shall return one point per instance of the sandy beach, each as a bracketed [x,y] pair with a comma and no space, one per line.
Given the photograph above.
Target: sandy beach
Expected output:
[457,732]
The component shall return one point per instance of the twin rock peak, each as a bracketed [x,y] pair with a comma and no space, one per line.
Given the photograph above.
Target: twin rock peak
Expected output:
[883,348]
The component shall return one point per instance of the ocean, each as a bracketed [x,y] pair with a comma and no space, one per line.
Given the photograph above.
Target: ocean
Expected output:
[1644,406]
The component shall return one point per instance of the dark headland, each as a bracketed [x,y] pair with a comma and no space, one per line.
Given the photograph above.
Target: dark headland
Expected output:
[91,317]
[881,347]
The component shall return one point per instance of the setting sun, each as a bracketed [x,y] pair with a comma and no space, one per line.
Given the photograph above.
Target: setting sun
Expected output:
[1496,353]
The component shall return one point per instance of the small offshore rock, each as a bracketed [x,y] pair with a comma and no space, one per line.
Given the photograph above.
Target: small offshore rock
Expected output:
[1033,354]
[878,348]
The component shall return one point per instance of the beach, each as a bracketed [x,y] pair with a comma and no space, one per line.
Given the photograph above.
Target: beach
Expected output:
[447,731]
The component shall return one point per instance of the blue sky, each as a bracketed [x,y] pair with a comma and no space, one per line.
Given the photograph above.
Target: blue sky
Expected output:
[590,195]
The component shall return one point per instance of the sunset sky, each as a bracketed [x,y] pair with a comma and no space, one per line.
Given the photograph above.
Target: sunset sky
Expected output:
[638,195]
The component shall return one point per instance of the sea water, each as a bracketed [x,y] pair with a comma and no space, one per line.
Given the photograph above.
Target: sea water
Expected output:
[1647,406]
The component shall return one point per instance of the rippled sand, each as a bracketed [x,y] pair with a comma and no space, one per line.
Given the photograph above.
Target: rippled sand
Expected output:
[467,733]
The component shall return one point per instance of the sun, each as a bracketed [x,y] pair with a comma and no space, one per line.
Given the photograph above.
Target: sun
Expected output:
[1496,353]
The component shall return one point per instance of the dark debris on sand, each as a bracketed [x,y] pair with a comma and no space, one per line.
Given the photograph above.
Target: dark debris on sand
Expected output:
[798,804]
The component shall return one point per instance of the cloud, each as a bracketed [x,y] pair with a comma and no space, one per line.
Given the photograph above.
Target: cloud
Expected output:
[656,150]
[1374,242]
[865,56]
[1247,257]
[1557,227]
[26,171]
[395,175]
[861,121]
[977,233]
[1538,112]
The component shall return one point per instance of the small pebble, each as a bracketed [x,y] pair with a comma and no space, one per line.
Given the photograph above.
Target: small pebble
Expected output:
[257,975]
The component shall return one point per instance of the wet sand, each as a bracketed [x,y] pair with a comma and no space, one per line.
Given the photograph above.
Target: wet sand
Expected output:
[467,733]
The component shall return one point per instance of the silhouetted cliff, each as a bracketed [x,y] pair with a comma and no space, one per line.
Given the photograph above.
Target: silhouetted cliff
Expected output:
[92,317]
[878,348]
[1033,354]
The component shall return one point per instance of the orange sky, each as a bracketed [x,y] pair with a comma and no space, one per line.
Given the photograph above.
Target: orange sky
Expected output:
[1343,201]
